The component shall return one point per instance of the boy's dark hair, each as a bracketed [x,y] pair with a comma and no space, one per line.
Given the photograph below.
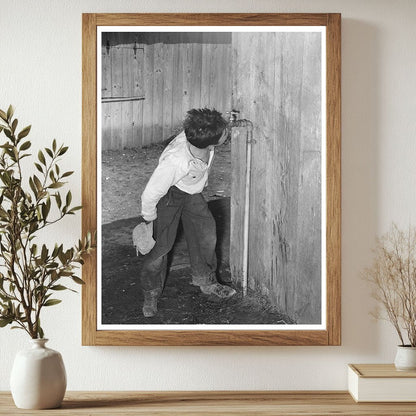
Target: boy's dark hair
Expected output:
[204,127]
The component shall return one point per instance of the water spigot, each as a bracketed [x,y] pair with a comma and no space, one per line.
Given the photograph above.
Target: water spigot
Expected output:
[234,122]
[233,116]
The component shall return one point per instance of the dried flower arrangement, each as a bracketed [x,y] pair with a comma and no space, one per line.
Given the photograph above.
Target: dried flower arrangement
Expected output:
[393,276]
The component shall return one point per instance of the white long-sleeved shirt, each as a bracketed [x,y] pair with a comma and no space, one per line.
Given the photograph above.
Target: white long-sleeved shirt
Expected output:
[177,167]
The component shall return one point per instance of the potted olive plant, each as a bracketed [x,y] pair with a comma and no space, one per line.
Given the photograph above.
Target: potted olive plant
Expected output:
[31,273]
[393,277]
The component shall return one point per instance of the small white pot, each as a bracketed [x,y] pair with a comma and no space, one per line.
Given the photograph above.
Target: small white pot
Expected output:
[38,377]
[405,358]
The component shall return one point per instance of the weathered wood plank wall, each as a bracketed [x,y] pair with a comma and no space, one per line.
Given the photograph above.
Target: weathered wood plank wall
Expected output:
[173,72]
[122,78]
[277,86]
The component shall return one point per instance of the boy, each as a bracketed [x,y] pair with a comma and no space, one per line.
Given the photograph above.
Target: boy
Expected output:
[173,193]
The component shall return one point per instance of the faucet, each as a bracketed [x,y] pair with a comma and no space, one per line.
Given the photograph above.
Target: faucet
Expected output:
[234,122]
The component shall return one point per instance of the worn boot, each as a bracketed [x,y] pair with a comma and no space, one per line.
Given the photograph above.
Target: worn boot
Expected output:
[150,302]
[210,286]
[217,289]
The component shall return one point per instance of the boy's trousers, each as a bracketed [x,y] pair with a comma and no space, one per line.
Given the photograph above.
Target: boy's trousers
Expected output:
[200,234]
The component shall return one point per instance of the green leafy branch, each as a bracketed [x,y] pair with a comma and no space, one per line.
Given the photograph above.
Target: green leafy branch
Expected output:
[31,274]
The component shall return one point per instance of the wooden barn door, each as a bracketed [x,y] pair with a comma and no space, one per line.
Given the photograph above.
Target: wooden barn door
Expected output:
[122,96]
[276,85]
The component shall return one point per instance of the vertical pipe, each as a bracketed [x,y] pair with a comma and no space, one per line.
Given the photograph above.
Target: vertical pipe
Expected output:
[249,140]
[247,211]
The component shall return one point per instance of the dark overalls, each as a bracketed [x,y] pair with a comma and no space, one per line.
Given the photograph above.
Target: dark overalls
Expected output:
[200,234]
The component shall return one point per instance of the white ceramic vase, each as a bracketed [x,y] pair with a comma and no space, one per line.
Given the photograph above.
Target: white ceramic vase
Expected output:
[405,358]
[38,377]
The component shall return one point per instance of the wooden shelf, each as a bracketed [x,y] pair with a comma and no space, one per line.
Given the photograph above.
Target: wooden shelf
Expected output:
[212,403]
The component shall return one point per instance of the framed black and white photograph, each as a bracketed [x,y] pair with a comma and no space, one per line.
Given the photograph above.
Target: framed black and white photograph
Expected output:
[211,172]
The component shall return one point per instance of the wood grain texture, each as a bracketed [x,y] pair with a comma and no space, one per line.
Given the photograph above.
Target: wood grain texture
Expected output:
[308,285]
[138,90]
[333,184]
[261,69]
[196,73]
[277,85]
[240,65]
[90,335]
[158,81]
[180,403]
[380,371]
[168,81]
[211,338]
[89,173]
[211,19]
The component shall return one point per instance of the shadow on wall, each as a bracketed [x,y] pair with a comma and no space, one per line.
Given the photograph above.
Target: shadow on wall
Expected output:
[360,176]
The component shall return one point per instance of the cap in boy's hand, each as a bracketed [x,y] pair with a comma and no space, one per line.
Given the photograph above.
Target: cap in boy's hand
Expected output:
[143,237]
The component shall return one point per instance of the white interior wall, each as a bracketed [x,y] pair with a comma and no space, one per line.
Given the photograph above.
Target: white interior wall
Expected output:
[40,73]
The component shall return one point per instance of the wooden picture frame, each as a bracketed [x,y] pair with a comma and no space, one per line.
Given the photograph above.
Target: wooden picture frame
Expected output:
[330,333]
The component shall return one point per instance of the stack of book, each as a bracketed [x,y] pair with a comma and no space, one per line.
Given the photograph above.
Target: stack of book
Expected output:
[381,383]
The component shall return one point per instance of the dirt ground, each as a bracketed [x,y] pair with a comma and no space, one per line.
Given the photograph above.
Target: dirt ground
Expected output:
[124,176]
